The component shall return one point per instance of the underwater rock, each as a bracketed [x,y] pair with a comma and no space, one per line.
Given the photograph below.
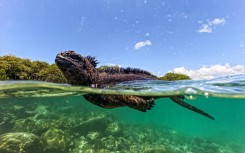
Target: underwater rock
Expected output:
[54,140]
[79,145]
[93,143]
[83,146]
[7,121]
[235,147]
[110,143]
[211,148]
[19,111]
[88,148]
[145,147]
[155,149]
[199,141]
[113,128]
[36,126]
[203,145]
[115,144]
[20,143]
[103,151]
[93,135]
[36,121]
[136,148]
[23,125]
[41,111]
[96,123]
[123,144]
[18,107]
[31,125]
[41,126]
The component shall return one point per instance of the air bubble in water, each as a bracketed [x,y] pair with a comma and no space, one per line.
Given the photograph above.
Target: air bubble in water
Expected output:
[190,91]
[190,97]
[206,94]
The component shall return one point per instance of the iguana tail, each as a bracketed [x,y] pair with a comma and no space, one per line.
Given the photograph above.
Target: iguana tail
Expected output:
[179,101]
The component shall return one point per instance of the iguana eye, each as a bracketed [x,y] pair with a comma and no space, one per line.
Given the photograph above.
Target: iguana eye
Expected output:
[76,57]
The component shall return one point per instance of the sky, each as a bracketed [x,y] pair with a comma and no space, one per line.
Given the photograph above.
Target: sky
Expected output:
[203,39]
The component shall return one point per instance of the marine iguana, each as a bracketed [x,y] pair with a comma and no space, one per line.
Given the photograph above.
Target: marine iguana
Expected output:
[80,70]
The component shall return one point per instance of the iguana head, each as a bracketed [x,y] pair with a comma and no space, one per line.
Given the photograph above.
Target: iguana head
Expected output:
[77,69]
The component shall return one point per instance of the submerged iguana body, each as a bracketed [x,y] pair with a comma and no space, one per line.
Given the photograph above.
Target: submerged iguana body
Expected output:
[80,70]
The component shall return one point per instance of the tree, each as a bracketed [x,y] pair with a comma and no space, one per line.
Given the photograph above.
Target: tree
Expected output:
[107,68]
[3,75]
[15,68]
[174,76]
[52,74]
[37,67]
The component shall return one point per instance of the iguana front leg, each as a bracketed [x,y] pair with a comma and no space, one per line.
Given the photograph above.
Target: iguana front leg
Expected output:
[111,101]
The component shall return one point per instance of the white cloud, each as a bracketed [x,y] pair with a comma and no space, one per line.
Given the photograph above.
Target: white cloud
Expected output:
[141,44]
[208,27]
[217,21]
[210,72]
[205,28]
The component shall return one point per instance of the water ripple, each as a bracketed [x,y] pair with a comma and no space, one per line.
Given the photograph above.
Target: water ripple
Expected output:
[228,86]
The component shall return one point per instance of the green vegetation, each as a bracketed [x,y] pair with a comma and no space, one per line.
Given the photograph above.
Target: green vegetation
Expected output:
[174,76]
[106,68]
[15,68]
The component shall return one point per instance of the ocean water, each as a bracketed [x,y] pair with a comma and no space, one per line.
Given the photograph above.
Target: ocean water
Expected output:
[46,117]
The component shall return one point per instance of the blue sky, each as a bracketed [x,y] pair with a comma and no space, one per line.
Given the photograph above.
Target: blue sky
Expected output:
[156,35]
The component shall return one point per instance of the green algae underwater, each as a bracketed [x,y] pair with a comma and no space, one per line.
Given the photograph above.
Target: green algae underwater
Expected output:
[38,117]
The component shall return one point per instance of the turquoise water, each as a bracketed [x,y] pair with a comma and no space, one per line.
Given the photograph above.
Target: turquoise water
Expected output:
[48,117]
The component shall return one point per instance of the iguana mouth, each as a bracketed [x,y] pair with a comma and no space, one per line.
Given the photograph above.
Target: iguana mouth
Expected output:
[69,58]
[76,68]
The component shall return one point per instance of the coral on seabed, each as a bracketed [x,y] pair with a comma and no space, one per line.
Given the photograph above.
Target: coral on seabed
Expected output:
[114,128]
[20,143]
[54,140]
